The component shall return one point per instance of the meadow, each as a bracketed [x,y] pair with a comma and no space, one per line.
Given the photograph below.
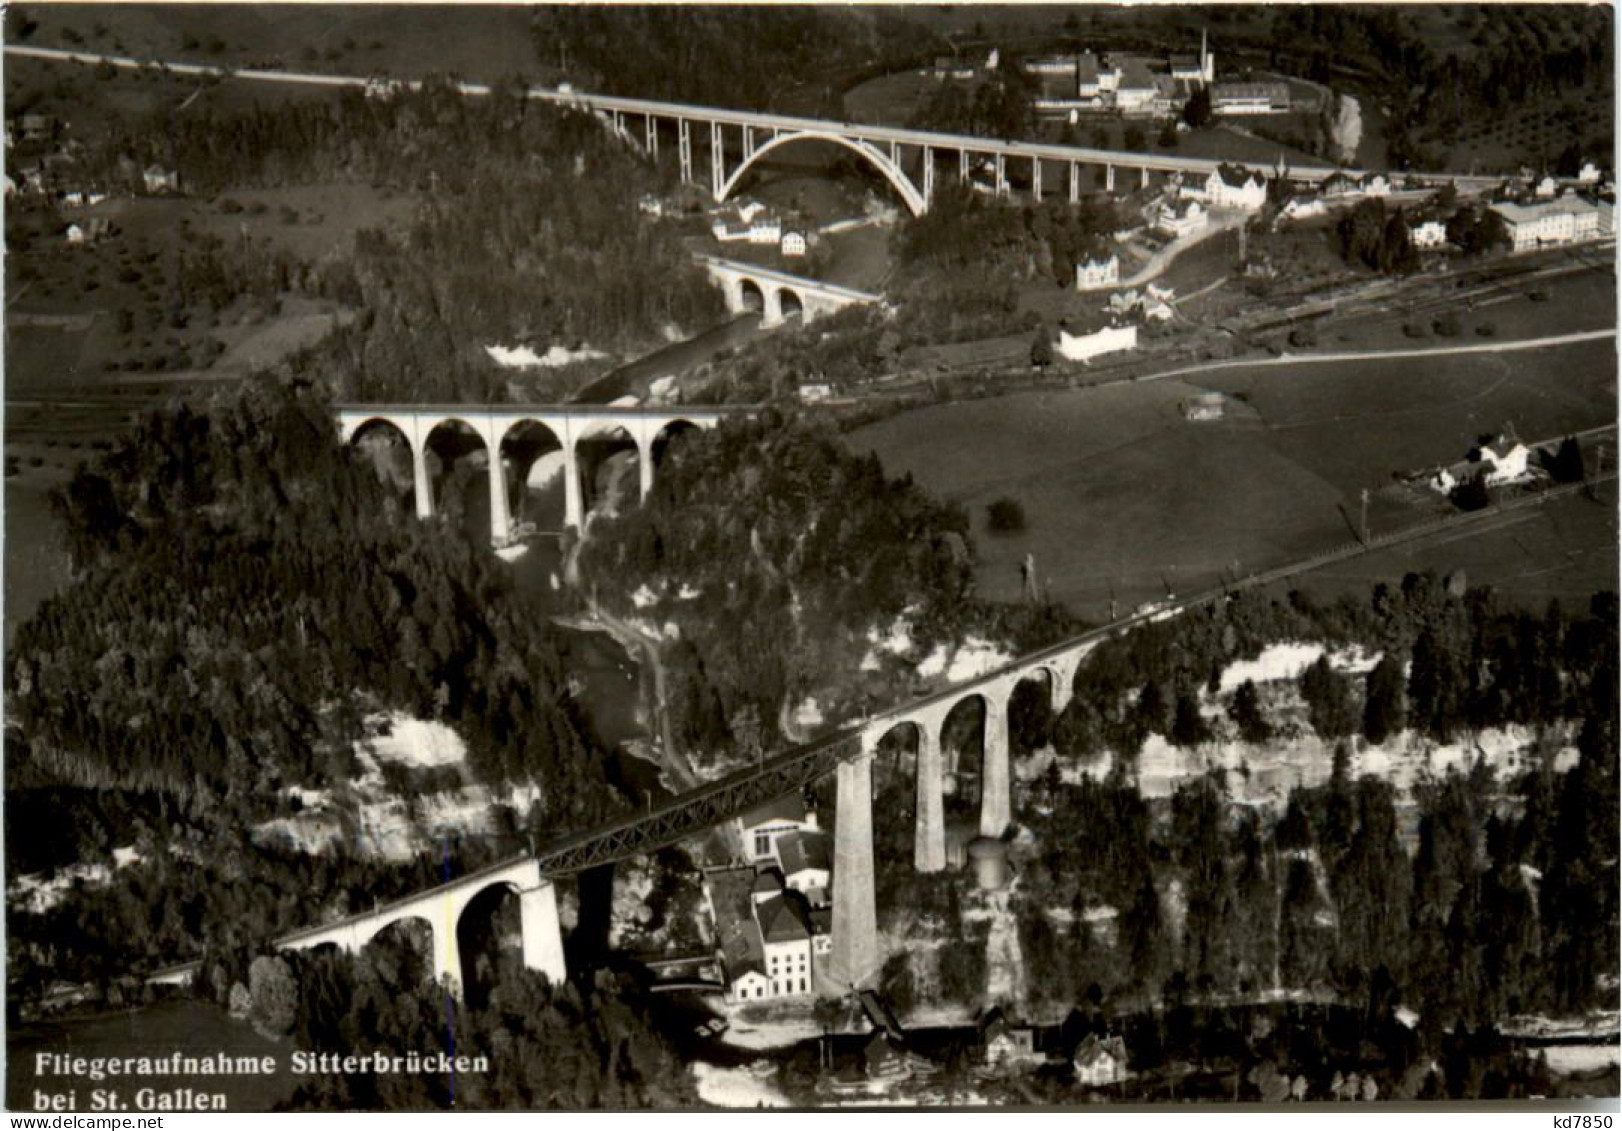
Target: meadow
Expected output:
[1124,498]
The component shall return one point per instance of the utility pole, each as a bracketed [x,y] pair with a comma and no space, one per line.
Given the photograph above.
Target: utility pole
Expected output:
[1365,516]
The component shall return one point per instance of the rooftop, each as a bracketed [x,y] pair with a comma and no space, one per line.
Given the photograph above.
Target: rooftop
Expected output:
[808,849]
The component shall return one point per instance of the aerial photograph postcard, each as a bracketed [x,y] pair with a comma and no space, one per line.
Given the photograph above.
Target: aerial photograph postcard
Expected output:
[681,557]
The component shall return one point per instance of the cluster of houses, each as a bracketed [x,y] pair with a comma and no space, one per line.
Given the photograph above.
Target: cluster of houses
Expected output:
[1132,85]
[749,221]
[1147,86]
[50,172]
[773,922]
[1537,212]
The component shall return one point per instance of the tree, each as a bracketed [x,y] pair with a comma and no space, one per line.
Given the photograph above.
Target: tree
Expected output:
[1005,516]
[1042,348]
[1168,135]
[1246,713]
[1328,698]
[1384,712]
[1188,728]
[1567,465]
[1197,110]
[1472,494]
[275,996]
[1134,138]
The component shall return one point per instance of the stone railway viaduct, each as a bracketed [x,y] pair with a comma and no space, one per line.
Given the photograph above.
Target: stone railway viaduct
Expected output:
[848,754]
[499,429]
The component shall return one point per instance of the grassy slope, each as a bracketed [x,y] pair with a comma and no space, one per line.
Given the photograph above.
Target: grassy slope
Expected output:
[1121,492]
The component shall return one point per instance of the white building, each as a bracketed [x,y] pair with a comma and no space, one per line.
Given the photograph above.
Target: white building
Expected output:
[160,180]
[793,245]
[786,946]
[1589,173]
[1303,208]
[806,860]
[762,826]
[1505,459]
[1548,222]
[766,230]
[1096,274]
[1245,98]
[1376,184]
[1428,234]
[763,934]
[1100,1061]
[1111,339]
[1546,188]
[1005,1046]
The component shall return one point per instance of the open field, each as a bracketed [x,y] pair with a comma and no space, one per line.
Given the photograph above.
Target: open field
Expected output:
[480,42]
[36,562]
[1126,498]
[1566,550]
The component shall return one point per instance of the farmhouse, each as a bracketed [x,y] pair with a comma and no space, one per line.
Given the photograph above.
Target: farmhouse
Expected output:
[1302,208]
[1549,222]
[793,245]
[1589,174]
[1005,1046]
[1546,188]
[160,180]
[1339,184]
[1203,407]
[1505,460]
[1376,184]
[1099,1061]
[1096,274]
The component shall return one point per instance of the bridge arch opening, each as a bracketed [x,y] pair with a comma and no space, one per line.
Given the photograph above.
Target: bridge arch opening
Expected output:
[963,741]
[609,464]
[1030,712]
[458,464]
[895,811]
[384,446]
[402,953]
[536,468]
[489,942]
[752,298]
[817,154]
[671,438]
[789,304]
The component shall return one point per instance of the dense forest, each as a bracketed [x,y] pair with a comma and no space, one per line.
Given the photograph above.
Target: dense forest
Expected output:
[503,250]
[1516,55]
[749,56]
[1482,895]
[247,590]
[588,1044]
[774,552]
